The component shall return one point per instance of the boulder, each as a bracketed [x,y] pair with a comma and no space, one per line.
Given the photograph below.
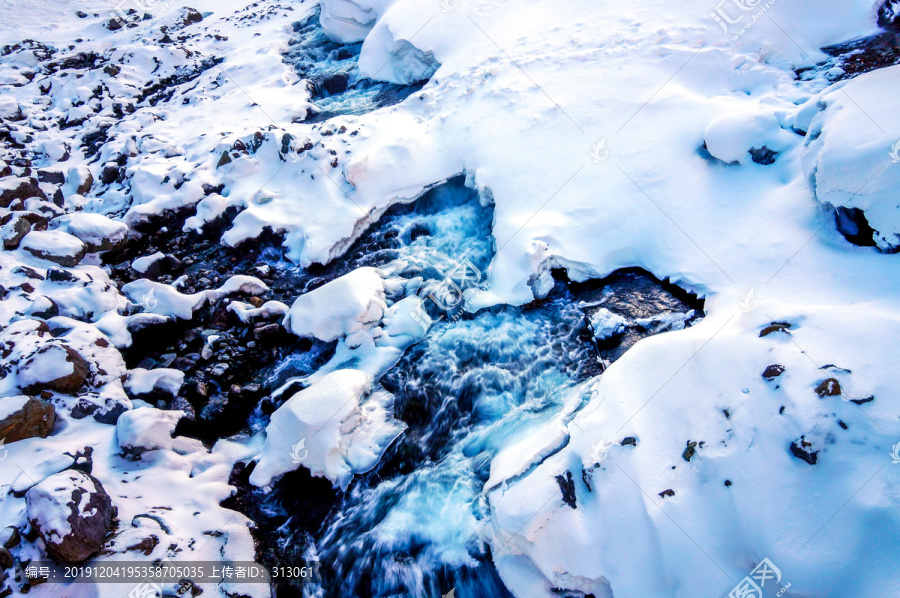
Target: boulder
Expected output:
[25,417]
[96,231]
[146,429]
[72,513]
[54,246]
[53,367]
[13,189]
[14,230]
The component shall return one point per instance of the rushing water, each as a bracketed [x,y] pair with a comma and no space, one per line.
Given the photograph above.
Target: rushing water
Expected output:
[412,525]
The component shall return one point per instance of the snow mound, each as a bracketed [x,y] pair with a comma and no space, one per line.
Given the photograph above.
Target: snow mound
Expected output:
[854,162]
[146,429]
[732,137]
[96,231]
[334,428]
[343,306]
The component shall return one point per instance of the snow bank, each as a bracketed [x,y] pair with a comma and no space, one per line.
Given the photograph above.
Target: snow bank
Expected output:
[334,428]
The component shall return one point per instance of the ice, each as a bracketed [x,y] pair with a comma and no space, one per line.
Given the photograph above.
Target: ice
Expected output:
[605,324]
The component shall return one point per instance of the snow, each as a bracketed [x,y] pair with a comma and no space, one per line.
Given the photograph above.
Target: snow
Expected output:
[52,500]
[524,93]
[335,428]
[10,405]
[166,300]
[247,313]
[605,324]
[96,231]
[142,381]
[338,308]
[146,429]
[55,245]
[853,156]
[142,264]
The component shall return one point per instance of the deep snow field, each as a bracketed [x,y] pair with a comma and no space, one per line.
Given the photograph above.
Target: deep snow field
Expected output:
[452,297]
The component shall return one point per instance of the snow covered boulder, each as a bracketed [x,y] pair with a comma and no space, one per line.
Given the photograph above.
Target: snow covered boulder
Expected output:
[146,429]
[166,381]
[385,57]
[53,367]
[744,137]
[12,189]
[606,324]
[341,307]
[96,231]
[13,230]
[853,166]
[72,513]
[54,246]
[25,417]
[334,428]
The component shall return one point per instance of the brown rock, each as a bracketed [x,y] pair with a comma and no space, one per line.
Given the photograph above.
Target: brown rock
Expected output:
[79,500]
[26,188]
[829,388]
[43,370]
[35,418]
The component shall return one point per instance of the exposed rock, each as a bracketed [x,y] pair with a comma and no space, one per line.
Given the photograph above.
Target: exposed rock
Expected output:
[72,513]
[775,327]
[29,418]
[690,450]
[773,371]
[863,400]
[567,487]
[53,367]
[829,387]
[54,246]
[667,493]
[802,449]
[23,189]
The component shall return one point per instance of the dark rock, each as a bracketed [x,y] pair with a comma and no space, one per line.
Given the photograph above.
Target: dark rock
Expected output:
[268,333]
[775,327]
[109,174]
[667,493]
[14,231]
[567,487]
[802,449]
[763,155]
[629,441]
[863,401]
[51,176]
[26,188]
[829,387]
[773,371]
[689,451]
[145,546]
[34,419]
[224,159]
[78,499]
[727,483]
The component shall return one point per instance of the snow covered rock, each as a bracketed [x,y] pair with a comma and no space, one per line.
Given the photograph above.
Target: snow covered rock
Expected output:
[25,417]
[854,166]
[168,301]
[143,264]
[141,381]
[96,231]
[146,429]
[606,324]
[53,367]
[72,513]
[746,137]
[341,307]
[385,57]
[12,189]
[13,230]
[54,246]
[332,428]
